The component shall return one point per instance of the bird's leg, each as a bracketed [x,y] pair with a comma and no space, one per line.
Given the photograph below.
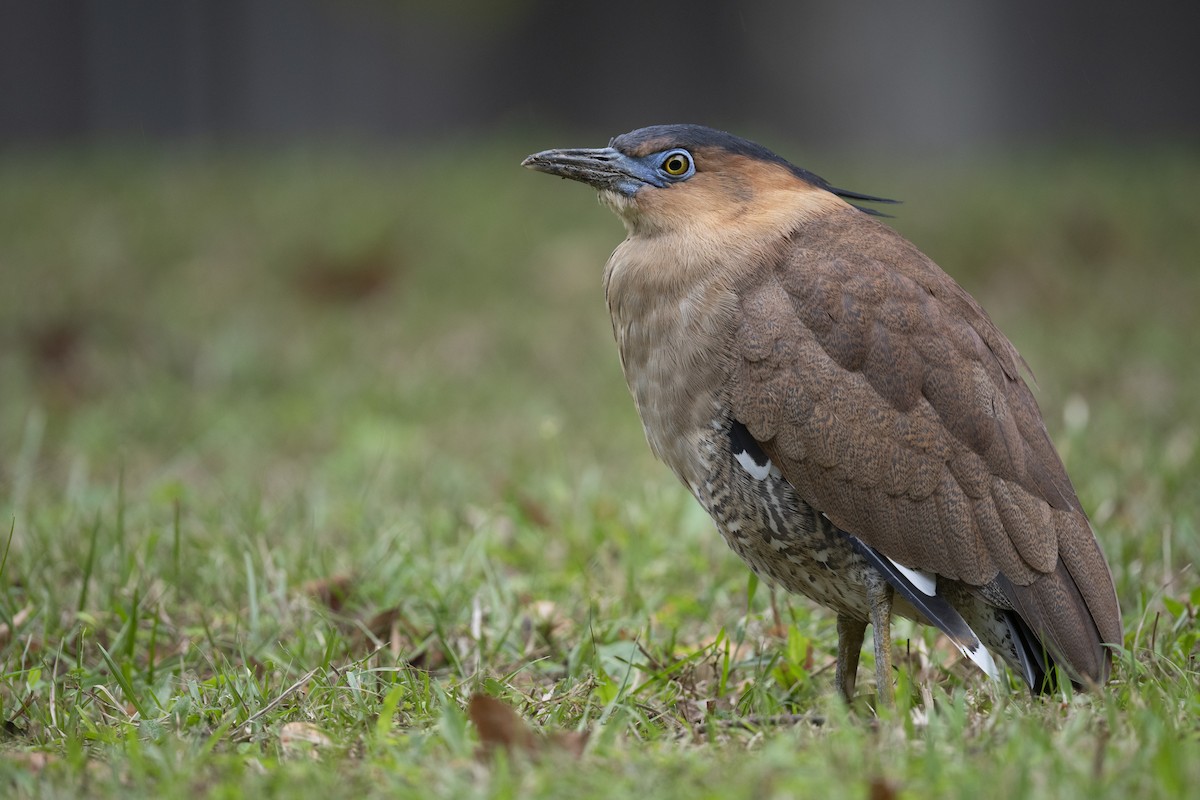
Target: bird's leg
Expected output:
[851,632]
[879,598]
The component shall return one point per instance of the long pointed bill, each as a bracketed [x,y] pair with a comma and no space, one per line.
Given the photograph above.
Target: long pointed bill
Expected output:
[604,168]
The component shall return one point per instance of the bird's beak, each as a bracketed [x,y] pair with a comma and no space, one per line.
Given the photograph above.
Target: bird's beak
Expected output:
[604,168]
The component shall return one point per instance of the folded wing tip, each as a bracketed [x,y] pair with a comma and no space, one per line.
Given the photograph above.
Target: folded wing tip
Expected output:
[982,658]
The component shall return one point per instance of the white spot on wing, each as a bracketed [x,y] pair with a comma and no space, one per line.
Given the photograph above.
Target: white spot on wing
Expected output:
[757,471]
[925,582]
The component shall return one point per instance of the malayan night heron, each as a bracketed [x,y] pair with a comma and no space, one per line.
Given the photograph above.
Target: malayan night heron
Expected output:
[849,416]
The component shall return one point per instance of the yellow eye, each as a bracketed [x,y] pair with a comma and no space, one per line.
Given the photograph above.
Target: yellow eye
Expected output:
[676,164]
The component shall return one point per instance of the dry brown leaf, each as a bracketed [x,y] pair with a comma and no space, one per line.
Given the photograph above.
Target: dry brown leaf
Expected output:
[297,737]
[549,619]
[33,760]
[533,511]
[330,592]
[55,343]
[501,727]
[385,625]
[17,621]
[570,742]
[348,280]
[391,628]
[881,788]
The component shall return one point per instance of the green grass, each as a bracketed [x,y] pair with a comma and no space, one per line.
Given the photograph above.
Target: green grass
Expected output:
[299,450]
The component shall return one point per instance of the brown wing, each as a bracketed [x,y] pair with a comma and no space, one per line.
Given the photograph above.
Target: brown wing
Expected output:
[891,402]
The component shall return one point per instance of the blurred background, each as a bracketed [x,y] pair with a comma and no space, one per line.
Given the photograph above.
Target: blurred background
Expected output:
[272,278]
[923,76]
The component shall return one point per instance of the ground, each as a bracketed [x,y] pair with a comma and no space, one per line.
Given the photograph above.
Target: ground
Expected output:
[300,450]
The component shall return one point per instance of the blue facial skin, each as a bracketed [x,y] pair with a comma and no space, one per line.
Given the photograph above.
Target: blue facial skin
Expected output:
[647,170]
[610,169]
[638,172]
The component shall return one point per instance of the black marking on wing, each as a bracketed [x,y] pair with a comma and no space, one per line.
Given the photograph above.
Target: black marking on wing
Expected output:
[740,441]
[935,608]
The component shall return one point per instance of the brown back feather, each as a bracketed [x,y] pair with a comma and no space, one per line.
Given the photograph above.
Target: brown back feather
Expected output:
[893,404]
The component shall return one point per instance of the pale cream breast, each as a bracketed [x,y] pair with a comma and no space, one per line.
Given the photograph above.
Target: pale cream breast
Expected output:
[672,291]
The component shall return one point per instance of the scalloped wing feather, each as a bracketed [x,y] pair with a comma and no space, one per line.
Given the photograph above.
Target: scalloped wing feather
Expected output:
[892,403]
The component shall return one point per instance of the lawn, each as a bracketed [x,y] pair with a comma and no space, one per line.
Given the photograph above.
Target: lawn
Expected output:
[299,450]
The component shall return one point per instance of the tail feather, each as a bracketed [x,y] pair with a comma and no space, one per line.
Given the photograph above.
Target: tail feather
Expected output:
[1057,619]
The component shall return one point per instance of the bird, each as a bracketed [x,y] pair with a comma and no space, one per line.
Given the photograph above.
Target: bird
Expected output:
[855,424]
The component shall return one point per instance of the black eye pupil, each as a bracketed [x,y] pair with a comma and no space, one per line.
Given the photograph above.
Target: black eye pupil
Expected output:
[676,165]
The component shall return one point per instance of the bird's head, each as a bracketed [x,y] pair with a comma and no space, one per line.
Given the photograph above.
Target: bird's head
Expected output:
[672,176]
